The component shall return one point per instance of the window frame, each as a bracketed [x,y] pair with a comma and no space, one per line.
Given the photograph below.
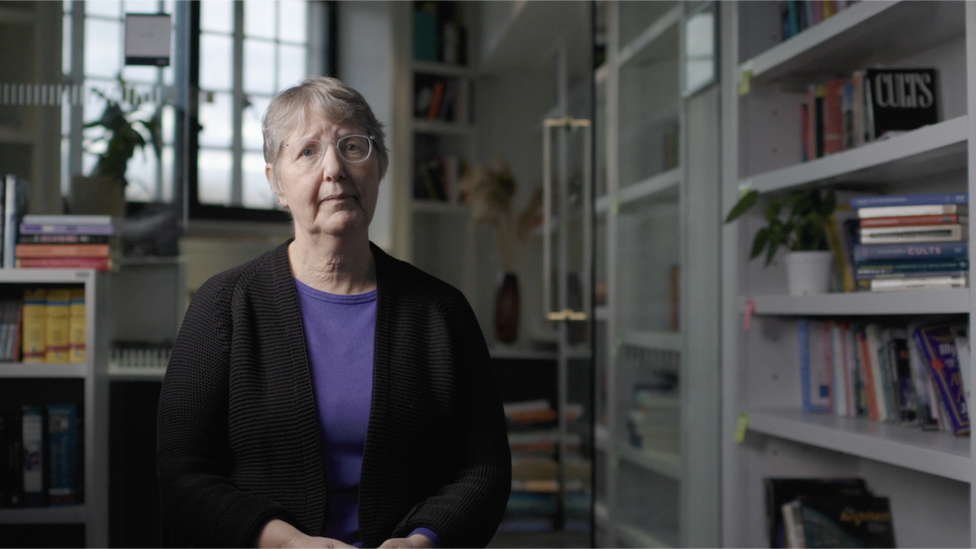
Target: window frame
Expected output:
[324,46]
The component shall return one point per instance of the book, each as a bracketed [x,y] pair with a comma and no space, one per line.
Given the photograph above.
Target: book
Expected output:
[57,324]
[904,211]
[815,363]
[846,521]
[938,350]
[919,283]
[915,220]
[62,444]
[960,332]
[895,268]
[28,228]
[783,490]
[62,250]
[793,524]
[866,371]
[11,453]
[901,99]
[904,382]
[839,369]
[887,200]
[77,331]
[97,263]
[833,117]
[64,239]
[37,219]
[925,251]
[33,441]
[34,348]
[877,378]
[15,199]
[925,406]
[914,233]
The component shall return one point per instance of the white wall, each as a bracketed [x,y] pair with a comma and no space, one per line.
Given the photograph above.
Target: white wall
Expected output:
[365,62]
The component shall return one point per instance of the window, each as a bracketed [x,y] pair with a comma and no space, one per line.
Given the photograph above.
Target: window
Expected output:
[92,61]
[247,51]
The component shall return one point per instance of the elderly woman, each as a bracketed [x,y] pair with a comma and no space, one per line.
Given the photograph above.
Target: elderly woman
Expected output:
[325,393]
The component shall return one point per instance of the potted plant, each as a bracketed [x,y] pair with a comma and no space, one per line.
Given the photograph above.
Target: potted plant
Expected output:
[125,127]
[802,231]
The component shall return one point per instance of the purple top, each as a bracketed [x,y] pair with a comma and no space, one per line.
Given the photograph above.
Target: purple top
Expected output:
[339,333]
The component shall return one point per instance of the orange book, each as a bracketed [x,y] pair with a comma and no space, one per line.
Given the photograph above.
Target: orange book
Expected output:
[833,117]
[865,370]
[61,250]
[435,102]
[949,219]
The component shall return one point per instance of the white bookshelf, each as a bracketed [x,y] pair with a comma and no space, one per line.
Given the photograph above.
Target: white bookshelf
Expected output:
[940,454]
[939,147]
[636,536]
[764,81]
[91,397]
[653,499]
[662,463]
[949,301]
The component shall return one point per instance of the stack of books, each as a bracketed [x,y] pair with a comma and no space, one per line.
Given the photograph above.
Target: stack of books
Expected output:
[910,242]
[67,242]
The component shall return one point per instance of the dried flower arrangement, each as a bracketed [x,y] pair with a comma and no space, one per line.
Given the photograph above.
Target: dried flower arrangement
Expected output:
[489,191]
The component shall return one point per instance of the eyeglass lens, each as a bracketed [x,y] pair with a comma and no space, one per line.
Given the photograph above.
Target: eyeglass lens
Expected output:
[352,148]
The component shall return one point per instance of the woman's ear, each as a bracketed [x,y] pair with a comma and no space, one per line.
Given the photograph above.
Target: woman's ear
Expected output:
[269,174]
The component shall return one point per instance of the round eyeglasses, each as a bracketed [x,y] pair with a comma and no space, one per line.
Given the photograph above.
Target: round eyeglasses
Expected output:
[352,148]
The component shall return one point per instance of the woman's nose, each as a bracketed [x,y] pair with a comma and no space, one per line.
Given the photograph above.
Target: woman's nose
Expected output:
[333,168]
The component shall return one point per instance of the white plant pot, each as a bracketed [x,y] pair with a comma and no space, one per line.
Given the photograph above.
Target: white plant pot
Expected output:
[808,272]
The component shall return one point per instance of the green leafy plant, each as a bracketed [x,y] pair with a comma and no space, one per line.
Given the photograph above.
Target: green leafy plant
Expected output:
[126,127]
[804,226]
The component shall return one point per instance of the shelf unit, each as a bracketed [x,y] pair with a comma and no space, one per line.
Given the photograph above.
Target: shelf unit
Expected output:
[924,474]
[660,493]
[85,384]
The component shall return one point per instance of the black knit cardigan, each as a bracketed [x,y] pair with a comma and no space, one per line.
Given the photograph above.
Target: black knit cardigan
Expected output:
[238,440]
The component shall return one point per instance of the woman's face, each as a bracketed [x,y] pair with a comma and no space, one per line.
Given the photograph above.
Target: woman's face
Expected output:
[326,194]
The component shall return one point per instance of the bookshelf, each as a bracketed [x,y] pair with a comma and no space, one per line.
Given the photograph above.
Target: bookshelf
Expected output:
[925,474]
[652,204]
[85,384]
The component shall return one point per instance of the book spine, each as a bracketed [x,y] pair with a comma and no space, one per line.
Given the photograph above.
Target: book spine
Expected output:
[35,219]
[10,220]
[76,327]
[57,326]
[865,270]
[909,200]
[877,371]
[803,340]
[97,263]
[918,283]
[62,420]
[29,228]
[62,250]
[34,314]
[34,463]
[833,117]
[842,261]
[937,347]
[908,220]
[915,233]
[866,370]
[906,211]
[909,252]
[63,239]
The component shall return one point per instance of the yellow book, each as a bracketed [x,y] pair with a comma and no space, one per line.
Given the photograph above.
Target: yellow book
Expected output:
[33,345]
[76,322]
[57,325]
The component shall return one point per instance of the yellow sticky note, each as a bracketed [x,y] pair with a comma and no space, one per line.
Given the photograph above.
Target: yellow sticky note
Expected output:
[745,75]
[740,428]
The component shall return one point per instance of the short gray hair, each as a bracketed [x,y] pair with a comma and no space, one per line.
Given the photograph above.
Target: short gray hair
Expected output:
[328,97]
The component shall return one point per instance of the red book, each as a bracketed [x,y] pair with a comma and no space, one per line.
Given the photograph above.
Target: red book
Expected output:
[97,263]
[865,370]
[435,102]
[61,250]
[949,219]
[833,117]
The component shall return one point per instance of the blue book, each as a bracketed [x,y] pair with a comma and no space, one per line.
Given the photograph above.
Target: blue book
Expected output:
[909,200]
[815,365]
[937,347]
[34,453]
[941,251]
[62,431]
